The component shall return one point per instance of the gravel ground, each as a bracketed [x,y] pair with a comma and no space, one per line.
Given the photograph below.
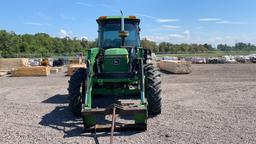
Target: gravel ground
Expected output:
[213,104]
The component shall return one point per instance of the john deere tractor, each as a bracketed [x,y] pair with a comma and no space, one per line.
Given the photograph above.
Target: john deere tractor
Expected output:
[119,79]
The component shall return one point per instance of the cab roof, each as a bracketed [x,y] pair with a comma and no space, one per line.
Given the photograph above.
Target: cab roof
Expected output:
[103,18]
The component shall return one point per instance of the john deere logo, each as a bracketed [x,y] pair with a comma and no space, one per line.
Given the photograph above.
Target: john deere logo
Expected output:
[116,61]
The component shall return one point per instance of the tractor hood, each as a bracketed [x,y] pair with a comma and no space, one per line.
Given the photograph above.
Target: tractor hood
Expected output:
[116,60]
[116,51]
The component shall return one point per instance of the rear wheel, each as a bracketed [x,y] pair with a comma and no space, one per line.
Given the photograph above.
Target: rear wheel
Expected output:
[76,90]
[153,89]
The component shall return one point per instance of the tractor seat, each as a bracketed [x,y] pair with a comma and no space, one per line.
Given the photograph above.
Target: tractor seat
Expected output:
[115,75]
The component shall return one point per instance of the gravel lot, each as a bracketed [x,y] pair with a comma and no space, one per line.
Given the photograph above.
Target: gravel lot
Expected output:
[213,104]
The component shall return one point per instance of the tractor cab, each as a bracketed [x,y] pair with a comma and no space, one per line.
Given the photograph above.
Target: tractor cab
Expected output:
[110,28]
[118,39]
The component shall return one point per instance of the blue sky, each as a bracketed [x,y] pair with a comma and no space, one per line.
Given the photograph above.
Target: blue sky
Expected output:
[176,21]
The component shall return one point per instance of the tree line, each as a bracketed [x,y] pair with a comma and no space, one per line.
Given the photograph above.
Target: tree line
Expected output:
[166,47]
[237,47]
[40,45]
[43,45]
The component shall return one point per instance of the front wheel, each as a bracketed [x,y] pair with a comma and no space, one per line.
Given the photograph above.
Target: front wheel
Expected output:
[153,89]
[76,91]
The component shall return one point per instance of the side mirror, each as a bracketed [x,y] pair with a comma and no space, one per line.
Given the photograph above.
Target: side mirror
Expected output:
[123,34]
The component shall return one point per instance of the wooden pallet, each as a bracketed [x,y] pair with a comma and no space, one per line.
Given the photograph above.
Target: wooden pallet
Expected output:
[176,67]
[31,71]
[9,64]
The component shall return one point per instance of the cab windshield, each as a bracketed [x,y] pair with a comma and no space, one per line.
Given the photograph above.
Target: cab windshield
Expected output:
[109,35]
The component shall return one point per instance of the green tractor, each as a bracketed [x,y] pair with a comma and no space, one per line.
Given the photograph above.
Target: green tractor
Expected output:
[120,75]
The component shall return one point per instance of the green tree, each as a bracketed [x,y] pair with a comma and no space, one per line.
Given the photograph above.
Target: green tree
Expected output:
[149,44]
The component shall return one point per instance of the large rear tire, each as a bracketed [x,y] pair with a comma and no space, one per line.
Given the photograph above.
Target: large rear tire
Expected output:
[76,91]
[153,89]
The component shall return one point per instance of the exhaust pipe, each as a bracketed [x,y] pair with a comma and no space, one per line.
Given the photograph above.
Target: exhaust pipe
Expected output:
[122,21]
[122,32]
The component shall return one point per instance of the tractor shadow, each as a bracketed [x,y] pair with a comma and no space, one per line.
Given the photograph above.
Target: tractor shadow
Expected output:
[170,73]
[57,99]
[62,119]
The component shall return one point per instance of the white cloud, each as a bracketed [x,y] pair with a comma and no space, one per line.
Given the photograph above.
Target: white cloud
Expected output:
[65,17]
[170,27]
[220,21]
[175,36]
[83,37]
[209,19]
[68,33]
[160,20]
[166,20]
[187,34]
[230,22]
[83,4]
[157,39]
[166,38]
[33,23]
[63,33]
[146,16]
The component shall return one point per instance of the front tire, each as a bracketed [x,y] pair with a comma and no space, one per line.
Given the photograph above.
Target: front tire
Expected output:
[76,91]
[153,89]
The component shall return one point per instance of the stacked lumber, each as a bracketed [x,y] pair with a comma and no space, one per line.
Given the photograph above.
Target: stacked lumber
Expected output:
[31,71]
[176,67]
[8,64]
[73,67]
